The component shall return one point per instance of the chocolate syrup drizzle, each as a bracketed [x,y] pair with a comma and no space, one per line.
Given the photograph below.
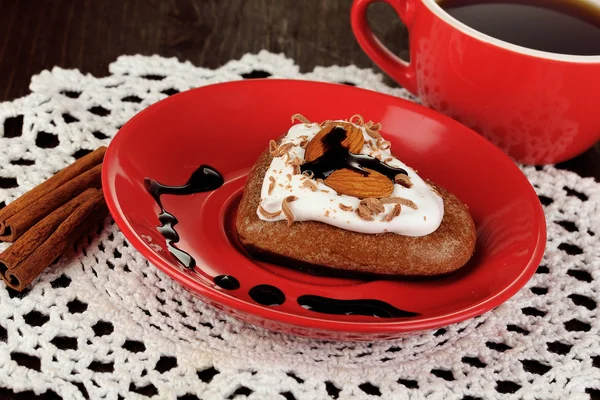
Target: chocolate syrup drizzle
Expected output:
[226,282]
[267,295]
[204,179]
[367,307]
[336,157]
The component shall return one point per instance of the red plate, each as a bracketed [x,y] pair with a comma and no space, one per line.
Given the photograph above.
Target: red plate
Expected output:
[228,125]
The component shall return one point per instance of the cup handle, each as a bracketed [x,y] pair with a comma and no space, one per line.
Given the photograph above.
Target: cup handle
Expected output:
[400,70]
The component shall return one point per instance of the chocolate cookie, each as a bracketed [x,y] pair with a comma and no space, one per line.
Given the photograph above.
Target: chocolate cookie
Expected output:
[323,248]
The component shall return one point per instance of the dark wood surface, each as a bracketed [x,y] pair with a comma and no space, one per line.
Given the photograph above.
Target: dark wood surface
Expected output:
[89,34]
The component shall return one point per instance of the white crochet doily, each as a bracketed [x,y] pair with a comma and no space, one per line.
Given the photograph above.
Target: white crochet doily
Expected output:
[107,325]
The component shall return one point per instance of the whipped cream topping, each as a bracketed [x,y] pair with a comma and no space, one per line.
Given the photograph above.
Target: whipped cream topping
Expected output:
[327,206]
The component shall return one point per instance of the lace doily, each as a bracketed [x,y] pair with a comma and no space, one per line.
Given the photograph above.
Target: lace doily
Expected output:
[107,325]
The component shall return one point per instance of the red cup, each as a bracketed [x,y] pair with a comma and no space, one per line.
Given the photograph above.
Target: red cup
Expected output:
[538,107]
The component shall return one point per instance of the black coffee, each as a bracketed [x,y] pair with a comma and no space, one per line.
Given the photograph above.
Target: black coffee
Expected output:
[557,26]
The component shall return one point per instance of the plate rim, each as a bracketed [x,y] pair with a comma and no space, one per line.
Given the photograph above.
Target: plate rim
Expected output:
[274,315]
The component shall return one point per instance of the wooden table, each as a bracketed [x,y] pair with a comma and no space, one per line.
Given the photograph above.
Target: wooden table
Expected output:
[88,35]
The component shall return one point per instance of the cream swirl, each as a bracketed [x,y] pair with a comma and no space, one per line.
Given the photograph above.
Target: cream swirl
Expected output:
[315,201]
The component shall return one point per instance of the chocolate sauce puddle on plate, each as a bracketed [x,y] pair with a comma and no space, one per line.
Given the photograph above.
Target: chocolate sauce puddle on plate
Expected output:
[336,157]
[267,295]
[204,179]
[226,282]
[367,307]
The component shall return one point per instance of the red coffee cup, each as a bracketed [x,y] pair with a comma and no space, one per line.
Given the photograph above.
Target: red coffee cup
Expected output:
[538,107]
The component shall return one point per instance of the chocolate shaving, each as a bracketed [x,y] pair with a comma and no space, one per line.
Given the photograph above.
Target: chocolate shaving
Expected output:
[308,174]
[284,149]
[311,185]
[403,180]
[281,150]
[303,141]
[289,176]
[345,207]
[400,200]
[383,144]
[364,213]
[296,169]
[271,185]
[375,206]
[434,190]
[393,214]
[301,118]
[360,121]
[285,207]
[327,213]
[272,146]
[268,214]
[373,129]
[373,126]
[320,180]
[387,160]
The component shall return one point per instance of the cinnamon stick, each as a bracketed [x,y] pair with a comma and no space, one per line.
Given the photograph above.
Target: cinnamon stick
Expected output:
[40,232]
[77,168]
[18,223]
[81,220]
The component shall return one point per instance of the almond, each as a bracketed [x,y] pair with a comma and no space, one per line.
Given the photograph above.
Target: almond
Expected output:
[354,140]
[353,183]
